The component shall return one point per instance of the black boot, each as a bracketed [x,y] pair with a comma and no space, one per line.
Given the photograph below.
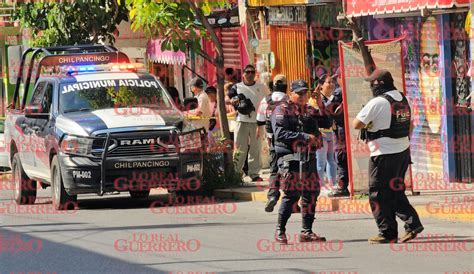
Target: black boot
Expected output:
[280,235]
[271,203]
[307,234]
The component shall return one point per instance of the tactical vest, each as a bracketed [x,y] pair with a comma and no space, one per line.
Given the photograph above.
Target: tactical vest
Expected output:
[271,105]
[400,120]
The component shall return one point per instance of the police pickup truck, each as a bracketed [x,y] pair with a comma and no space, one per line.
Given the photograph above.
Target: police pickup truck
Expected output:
[92,124]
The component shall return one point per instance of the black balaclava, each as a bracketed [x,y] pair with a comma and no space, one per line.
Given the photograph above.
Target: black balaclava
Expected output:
[381,88]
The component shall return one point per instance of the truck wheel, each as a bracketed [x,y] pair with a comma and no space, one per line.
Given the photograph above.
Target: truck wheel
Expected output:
[61,200]
[24,191]
[139,194]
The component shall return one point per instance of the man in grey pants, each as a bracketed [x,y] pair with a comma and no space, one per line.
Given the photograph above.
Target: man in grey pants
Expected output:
[245,134]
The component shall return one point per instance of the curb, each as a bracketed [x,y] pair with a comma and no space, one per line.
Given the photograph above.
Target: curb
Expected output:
[424,213]
[256,194]
[251,194]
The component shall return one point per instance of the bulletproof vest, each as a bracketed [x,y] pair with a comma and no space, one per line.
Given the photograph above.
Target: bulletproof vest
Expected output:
[298,122]
[271,105]
[400,120]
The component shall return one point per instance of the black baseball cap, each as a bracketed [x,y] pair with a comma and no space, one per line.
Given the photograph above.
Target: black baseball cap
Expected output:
[380,75]
[299,86]
[196,82]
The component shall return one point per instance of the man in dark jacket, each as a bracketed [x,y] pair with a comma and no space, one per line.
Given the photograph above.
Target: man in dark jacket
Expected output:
[296,133]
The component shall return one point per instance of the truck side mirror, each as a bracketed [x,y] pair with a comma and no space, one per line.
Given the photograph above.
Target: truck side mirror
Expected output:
[190,103]
[36,112]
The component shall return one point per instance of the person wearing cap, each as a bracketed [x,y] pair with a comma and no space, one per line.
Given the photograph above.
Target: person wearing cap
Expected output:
[387,120]
[296,137]
[279,88]
[201,115]
[245,133]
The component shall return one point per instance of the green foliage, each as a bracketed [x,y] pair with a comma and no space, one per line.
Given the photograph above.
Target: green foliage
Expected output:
[214,176]
[172,21]
[70,23]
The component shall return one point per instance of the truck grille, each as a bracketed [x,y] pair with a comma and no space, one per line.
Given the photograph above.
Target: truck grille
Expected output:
[136,144]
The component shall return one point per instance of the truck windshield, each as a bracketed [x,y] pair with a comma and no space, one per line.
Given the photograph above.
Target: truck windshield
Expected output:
[103,94]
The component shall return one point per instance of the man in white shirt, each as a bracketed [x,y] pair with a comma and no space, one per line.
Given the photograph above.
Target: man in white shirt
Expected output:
[201,115]
[267,106]
[387,121]
[245,133]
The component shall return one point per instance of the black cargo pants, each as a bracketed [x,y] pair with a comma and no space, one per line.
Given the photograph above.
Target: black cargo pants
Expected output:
[387,193]
[308,188]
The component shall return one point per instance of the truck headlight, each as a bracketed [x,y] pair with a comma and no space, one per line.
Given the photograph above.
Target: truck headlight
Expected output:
[76,145]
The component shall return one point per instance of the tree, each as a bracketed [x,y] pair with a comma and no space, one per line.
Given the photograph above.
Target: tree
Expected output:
[181,24]
[70,23]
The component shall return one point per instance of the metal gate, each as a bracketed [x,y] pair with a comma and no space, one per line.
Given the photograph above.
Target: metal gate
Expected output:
[289,47]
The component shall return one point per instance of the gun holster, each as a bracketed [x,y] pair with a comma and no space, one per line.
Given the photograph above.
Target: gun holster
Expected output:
[363,135]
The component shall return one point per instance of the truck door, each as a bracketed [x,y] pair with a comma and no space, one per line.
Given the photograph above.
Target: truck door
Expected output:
[26,127]
[42,130]
[4,162]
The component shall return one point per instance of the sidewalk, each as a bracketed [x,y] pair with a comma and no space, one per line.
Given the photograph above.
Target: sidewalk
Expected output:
[441,204]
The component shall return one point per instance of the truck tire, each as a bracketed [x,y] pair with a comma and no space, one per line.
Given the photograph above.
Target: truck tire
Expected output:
[61,200]
[139,194]
[24,191]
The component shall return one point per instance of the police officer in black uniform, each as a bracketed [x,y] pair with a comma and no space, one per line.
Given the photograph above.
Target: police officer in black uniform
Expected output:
[386,121]
[296,135]
[266,108]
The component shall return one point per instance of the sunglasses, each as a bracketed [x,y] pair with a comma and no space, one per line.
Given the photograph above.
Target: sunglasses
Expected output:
[250,71]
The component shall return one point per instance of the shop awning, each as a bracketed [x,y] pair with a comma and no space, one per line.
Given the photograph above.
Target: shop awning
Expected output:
[169,57]
[269,3]
[356,8]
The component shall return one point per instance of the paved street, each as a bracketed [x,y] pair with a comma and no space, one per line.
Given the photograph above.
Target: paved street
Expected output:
[118,235]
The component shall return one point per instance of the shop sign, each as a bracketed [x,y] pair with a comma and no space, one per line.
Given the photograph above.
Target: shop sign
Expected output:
[227,18]
[286,15]
[263,47]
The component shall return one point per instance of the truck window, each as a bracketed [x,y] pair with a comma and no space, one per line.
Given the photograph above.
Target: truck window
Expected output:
[37,96]
[47,98]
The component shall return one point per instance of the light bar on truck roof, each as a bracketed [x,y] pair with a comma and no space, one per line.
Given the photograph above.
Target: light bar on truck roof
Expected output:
[112,67]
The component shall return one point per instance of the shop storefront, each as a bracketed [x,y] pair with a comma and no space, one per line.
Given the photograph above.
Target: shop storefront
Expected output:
[166,65]
[436,60]
[289,42]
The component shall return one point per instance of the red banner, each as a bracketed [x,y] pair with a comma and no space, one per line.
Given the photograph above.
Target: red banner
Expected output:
[374,7]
